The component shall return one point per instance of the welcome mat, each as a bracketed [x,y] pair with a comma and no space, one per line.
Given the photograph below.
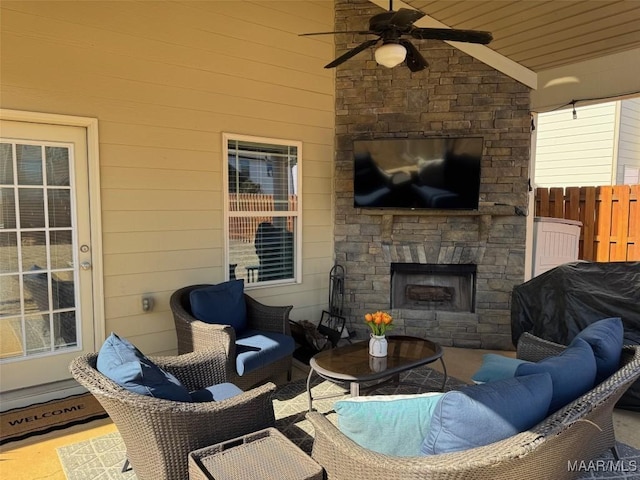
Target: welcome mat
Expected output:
[21,423]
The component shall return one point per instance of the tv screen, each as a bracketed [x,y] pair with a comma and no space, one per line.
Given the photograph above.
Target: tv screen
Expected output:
[417,173]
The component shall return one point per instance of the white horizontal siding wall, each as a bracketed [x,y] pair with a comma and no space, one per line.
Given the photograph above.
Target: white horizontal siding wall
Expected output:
[629,142]
[576,152]
[164,79]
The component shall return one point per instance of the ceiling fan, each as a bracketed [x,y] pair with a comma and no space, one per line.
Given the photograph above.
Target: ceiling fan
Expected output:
[391,27]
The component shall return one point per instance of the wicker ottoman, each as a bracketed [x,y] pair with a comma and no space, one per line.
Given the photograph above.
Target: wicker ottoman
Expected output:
[265,455]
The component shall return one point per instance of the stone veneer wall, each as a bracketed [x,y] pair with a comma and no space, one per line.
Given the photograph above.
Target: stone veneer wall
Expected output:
[456,96]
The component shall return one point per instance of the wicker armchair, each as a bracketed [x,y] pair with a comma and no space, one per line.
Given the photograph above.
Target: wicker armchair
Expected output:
[159,434]
[581,430]
[195,335]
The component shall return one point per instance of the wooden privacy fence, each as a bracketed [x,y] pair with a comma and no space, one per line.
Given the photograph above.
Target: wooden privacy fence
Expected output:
[610,217]
[244,228]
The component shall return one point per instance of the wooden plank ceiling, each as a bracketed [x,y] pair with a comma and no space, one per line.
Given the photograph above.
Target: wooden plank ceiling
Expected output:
[545,34]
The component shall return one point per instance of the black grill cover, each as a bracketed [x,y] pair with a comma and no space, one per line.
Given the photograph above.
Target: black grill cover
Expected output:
[561,302]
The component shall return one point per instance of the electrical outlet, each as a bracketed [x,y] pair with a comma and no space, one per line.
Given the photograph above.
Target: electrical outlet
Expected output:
[147,304]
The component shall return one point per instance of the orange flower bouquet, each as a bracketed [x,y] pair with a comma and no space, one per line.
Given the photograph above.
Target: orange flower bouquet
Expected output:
[379,322]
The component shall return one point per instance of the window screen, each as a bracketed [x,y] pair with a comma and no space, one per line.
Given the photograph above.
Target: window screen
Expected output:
[263,209]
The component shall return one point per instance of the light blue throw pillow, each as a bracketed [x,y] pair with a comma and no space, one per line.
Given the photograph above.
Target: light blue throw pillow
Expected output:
[221,304]
[606,338]
[573,372]
[496,367]
[127,366]
[478,415]
[389,424]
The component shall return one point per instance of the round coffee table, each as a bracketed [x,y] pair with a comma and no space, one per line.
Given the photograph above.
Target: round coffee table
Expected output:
[353,364]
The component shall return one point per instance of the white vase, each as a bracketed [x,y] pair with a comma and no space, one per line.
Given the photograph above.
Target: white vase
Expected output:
[378,346]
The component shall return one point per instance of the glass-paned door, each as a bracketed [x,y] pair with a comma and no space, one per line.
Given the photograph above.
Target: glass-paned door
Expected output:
[45,300]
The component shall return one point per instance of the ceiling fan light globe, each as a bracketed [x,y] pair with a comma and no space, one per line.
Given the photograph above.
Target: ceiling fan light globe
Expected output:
[390,54]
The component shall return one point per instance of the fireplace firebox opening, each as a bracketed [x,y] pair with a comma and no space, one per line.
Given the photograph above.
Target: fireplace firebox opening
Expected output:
[425,286]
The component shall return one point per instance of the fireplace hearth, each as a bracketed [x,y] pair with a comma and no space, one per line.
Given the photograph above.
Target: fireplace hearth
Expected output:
[418,286]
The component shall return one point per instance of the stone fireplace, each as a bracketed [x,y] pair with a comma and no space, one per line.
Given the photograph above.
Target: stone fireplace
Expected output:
[456,96]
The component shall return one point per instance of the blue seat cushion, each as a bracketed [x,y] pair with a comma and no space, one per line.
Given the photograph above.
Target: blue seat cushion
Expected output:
[390,424]
[572,372]
[478,415]
[215,393]
[496,367]
[127,366]
[221,304]
[257,348]
[606,338]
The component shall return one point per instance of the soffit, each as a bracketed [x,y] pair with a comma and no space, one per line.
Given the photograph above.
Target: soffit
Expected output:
[541,35]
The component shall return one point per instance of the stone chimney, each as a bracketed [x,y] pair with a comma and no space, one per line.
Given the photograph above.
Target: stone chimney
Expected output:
[456,96]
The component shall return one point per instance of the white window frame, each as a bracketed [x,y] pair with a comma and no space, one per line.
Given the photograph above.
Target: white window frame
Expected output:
[297,257]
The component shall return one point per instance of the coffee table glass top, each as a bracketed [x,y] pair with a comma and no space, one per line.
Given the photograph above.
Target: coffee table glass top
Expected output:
[353,362]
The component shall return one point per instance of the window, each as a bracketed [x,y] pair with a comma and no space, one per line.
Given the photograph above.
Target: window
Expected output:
[262,209]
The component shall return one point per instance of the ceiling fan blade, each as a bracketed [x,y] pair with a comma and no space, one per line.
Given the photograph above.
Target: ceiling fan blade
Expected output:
[361,32]
[415,61]
[451,34]
[405,17]
[351,53]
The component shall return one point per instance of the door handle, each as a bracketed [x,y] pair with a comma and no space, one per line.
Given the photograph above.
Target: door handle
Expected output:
[85,265]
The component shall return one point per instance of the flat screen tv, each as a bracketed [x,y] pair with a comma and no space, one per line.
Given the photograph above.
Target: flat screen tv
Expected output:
[417,173]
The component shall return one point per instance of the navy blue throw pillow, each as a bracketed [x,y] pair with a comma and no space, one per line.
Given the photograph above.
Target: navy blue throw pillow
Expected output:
[221,304]
[606,338]
[573,372]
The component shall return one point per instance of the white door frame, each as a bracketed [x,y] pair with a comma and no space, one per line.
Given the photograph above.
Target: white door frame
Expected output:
[95,213]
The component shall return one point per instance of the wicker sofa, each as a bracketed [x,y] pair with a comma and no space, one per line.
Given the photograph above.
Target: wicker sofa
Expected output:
[581,430]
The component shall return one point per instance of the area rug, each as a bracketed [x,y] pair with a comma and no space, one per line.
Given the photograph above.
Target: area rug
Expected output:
[21,423]
[102,457]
